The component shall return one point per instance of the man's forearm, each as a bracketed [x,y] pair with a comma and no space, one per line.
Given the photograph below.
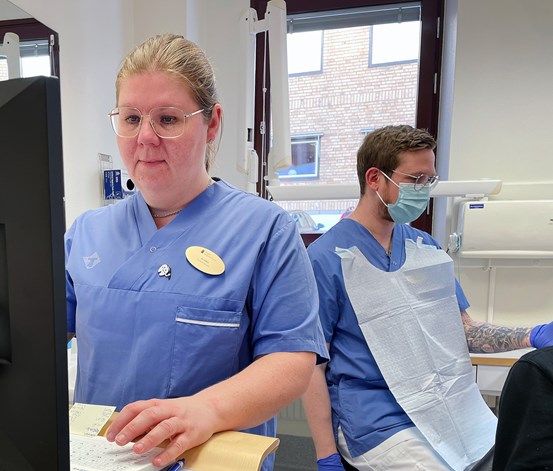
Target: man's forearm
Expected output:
[490,338]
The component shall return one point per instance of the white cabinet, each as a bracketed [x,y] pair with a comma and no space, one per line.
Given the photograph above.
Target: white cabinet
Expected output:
[491,370]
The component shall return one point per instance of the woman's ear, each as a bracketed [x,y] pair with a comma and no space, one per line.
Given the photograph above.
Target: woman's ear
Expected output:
[214,123]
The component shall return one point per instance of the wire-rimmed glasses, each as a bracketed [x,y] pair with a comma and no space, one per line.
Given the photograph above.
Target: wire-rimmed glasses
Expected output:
[167,121]
[422,180]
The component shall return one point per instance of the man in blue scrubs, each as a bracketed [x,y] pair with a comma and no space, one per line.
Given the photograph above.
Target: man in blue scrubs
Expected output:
[194,303]
[398,391]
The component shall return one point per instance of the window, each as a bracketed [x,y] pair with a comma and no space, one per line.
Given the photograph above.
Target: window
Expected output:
[38,46]
[394,43]
[305,52]
[380,65]
[35,58]
[305,158]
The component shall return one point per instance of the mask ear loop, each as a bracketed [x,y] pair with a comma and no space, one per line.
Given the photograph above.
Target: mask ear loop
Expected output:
[378,194]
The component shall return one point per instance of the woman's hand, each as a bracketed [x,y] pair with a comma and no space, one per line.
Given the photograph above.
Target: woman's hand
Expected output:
[185,422]
[244,400]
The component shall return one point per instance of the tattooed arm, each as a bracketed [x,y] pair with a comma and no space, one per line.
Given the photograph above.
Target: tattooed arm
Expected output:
[490,338]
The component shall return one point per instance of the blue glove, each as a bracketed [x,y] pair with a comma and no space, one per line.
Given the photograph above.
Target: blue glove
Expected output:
[542,336]
[330,463]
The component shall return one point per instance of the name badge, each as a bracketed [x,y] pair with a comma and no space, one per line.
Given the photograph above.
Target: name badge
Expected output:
[205,260]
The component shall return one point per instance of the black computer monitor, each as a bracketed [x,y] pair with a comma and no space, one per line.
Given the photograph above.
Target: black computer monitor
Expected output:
[34,428]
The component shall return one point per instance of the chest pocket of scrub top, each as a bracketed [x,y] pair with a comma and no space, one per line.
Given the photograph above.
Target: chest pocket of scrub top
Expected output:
[207,343]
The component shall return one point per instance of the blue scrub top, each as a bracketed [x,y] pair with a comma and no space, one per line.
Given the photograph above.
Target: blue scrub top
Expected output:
[142,335]
[362,404]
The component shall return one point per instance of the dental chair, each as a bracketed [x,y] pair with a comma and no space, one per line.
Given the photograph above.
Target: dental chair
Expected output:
[524,438]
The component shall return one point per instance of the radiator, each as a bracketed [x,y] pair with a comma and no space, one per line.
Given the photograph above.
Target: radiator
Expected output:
[293,411]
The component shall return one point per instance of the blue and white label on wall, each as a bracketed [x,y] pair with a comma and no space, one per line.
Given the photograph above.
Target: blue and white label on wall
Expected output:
[112,185]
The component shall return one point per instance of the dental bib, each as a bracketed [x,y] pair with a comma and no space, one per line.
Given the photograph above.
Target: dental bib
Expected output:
[411,322]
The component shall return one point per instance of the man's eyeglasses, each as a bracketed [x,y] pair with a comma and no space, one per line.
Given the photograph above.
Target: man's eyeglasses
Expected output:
[167,121]
[421,180]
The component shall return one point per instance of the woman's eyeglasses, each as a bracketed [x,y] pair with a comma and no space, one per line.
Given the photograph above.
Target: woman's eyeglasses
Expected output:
[167,121]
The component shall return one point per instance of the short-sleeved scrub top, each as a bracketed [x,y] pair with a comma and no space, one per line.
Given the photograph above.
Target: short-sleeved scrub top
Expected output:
[362,404]
[154,323]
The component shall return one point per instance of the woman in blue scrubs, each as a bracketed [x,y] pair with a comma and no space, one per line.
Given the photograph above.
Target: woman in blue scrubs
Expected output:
[193,302]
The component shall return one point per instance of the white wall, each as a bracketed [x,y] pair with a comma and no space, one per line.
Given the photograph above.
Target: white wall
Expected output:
[94,37]
[8,11]
[496,120]
[219,34]
[93,40]
[503,96]
[150,18]
[500,123]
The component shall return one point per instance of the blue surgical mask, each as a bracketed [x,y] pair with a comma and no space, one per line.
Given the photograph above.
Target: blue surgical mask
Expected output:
[410,203]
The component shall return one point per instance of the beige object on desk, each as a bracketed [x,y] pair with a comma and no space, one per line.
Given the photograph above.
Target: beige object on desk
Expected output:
[226,451]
